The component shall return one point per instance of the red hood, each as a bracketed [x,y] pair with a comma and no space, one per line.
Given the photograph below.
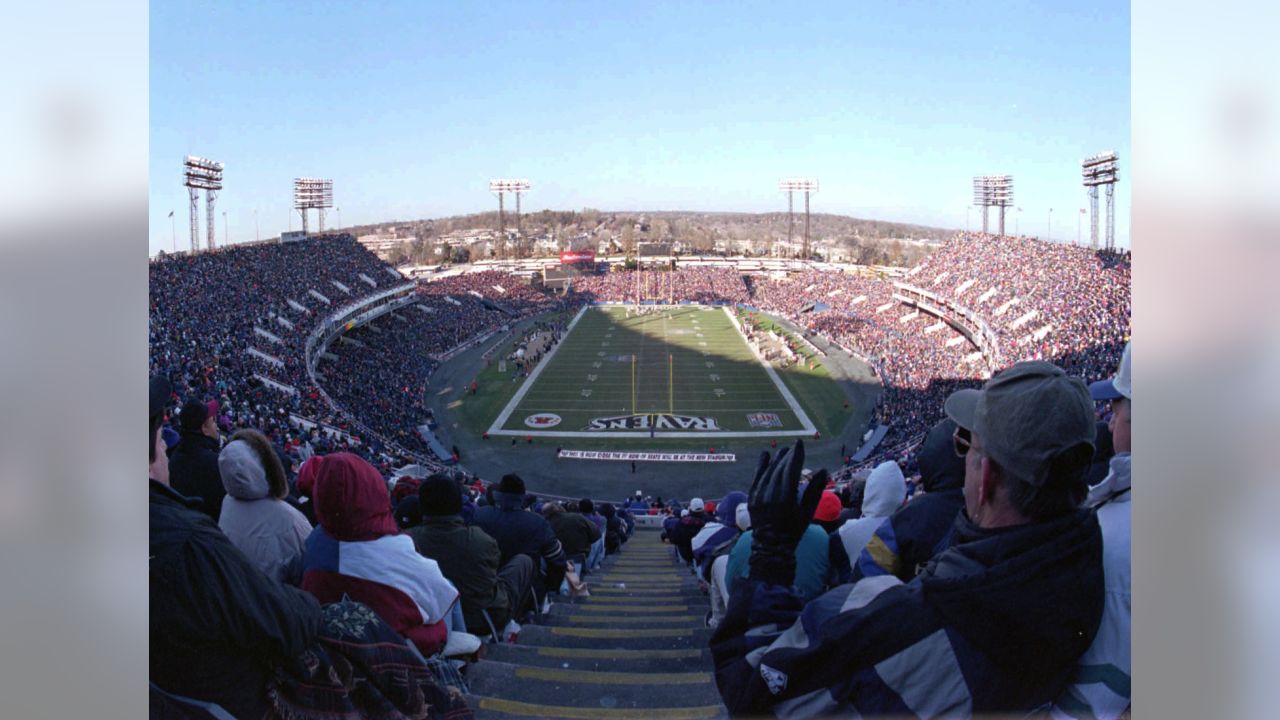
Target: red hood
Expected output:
[307,475]
[352,502]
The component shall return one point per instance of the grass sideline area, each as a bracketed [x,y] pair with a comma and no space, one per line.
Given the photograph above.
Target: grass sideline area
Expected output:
[827,406]
[494,387]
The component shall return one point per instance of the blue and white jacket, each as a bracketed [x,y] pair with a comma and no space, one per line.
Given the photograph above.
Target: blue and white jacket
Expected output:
[1100,687]
[993,624]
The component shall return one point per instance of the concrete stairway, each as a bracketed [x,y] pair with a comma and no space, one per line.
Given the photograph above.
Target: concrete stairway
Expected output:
[637,648]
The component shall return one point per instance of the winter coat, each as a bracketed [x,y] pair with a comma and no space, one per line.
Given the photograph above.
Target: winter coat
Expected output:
[919,530]
[628,523]
[681,535]
[575,533]
[218,625]
[268,530]
[1100,686]
[993,625]
[357,550]
[193,472]
[718,536]
[886,489]
[520,532]
[470,559]
[615,530]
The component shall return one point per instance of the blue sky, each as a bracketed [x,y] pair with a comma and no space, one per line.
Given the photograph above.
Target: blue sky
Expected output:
[412,107]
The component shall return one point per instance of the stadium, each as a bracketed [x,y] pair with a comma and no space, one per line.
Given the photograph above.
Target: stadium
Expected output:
[681,361]
[640,388]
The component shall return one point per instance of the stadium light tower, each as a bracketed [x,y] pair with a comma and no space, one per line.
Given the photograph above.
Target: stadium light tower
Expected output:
[1101,169]
[980,198]
[807,186]
[993,191]
[505,186]
[201,174]
[312,193]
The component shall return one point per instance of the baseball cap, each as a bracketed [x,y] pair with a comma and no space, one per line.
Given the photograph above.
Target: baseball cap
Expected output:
[1120,386]
[1027,415]
[695,505]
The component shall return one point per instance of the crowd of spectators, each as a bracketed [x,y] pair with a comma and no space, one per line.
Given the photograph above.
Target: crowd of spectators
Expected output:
[923,596]
[1081,298]
[380,375]
[336,592]
[1082,295]
[209,310]
[697,284]
[989,554]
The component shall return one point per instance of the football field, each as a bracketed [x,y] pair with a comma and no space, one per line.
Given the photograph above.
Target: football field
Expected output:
[680,371]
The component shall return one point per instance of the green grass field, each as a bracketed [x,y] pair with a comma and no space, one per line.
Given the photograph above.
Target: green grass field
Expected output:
[683,371]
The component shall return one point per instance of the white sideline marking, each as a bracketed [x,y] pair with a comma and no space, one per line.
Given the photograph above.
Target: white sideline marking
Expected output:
[805,422]
[501,420]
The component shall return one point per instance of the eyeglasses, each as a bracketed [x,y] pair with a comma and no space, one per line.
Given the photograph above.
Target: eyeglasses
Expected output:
[961,442]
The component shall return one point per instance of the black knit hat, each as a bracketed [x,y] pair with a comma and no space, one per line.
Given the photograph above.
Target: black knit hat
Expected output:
[439,495]
[194,413]
[511,484]
[408,512]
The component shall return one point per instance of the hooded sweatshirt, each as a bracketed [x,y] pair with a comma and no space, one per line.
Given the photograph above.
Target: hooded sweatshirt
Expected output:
[269,531]
[357,550]
[886,489]
[717,537]
[919,530]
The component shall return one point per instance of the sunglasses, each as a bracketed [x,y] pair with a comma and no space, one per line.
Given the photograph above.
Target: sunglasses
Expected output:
[961,441]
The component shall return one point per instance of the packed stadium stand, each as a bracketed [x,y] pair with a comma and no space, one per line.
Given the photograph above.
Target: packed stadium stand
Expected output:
[325,349]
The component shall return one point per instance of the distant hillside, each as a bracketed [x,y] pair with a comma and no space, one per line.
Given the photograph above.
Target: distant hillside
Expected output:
[856,239]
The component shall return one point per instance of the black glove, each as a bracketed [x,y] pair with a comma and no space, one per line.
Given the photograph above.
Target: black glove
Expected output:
[778,517]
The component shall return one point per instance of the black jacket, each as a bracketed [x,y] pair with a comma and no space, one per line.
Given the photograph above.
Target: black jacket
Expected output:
[683,533]
[193,472]
[218,625]
[521,532]
[575,532]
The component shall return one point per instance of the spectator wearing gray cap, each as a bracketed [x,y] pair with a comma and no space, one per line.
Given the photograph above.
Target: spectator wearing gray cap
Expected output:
[1100,687]
[994,624]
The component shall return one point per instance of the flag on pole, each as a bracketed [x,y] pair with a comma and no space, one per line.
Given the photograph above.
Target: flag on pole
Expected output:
[170,213]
